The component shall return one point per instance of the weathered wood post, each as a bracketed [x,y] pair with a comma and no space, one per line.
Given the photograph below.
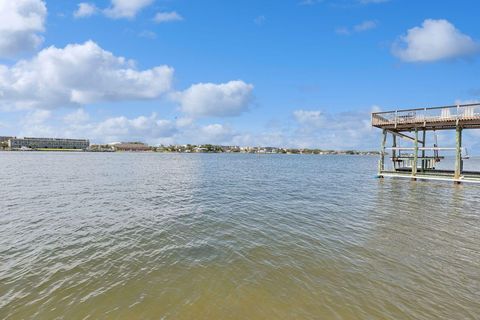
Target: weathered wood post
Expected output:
[394,152]
[381,166]
[415,156]
[424,161]
[458,160]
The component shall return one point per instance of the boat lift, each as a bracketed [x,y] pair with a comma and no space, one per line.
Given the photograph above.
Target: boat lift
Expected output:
[421,161]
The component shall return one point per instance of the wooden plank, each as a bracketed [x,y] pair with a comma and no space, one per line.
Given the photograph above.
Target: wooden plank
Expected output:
[402,135]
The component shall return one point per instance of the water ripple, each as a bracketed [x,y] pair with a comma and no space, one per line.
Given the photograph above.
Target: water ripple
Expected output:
[165,236]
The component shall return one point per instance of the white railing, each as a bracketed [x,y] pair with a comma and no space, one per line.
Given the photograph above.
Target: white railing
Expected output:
[427,115]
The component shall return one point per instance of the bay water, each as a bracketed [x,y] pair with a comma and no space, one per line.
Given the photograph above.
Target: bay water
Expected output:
[232,236]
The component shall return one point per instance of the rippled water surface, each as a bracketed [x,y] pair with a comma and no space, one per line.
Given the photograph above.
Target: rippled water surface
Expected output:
[232,236]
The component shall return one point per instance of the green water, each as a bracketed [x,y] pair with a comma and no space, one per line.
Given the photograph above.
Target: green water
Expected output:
[232,236]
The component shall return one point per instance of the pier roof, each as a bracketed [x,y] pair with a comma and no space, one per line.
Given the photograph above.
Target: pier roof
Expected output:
[466,116]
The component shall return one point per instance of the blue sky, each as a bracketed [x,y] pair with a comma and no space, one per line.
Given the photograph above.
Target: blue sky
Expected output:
[281,73]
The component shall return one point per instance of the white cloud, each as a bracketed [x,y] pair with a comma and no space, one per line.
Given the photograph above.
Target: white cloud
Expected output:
[311,129]
[148,34]
[33,124]
[141,128]
[126,8]
[37,117]
[76,117]
[85,9]
[216,100]
[365,26]
[215,133]
[260,20]
[343,31]
[313,118]
[347,130]
[162,17]
[344,3]
[361,27]
[184,122]
[21,21]
[434,40]
[309,2]
[76,125]
[156,131]
[372,1]
[76,75]
[150,129]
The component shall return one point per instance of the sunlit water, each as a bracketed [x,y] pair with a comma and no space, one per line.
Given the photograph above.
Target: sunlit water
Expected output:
[232,236]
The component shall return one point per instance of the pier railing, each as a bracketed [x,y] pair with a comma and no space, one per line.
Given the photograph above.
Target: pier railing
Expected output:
[446,114]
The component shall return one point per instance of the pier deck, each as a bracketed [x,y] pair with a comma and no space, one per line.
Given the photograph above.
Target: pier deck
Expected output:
[406,161]
[437,118]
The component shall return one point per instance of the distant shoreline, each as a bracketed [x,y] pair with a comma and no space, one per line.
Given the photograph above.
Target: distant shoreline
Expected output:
[339,153]
[27,144]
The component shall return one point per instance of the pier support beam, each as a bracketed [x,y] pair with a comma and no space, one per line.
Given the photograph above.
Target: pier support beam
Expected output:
[394,152]
[381,165]
[415,156]
[424,161]
[458,158]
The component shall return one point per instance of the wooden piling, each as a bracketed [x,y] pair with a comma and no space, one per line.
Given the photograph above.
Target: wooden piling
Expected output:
[424,161]
[458,158]
[394,152]
[382,154]
[415,156]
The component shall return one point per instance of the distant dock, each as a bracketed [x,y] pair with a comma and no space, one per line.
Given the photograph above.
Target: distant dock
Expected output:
[419,161]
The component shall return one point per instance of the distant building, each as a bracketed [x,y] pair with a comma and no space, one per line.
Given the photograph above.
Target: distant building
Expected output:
[131,146]
[200,149]
[5,139]
[48,143]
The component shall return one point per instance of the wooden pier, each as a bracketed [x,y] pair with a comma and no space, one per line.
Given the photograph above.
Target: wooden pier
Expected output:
[419,161]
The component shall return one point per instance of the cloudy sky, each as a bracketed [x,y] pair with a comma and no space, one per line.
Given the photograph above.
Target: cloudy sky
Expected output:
[296,73]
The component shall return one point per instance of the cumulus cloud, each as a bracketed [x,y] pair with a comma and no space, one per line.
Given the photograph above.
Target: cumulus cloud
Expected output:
[21,23]
[34,124]
[76,117]
[311,129]
[434,40]
[78,125]
[346,130]
[37,117]
[310,118]
[126,8]
[162,17]
[215,100]
[151,129]
[76,75]
[154,130]
[140,128]
[85,10]
[216,133]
